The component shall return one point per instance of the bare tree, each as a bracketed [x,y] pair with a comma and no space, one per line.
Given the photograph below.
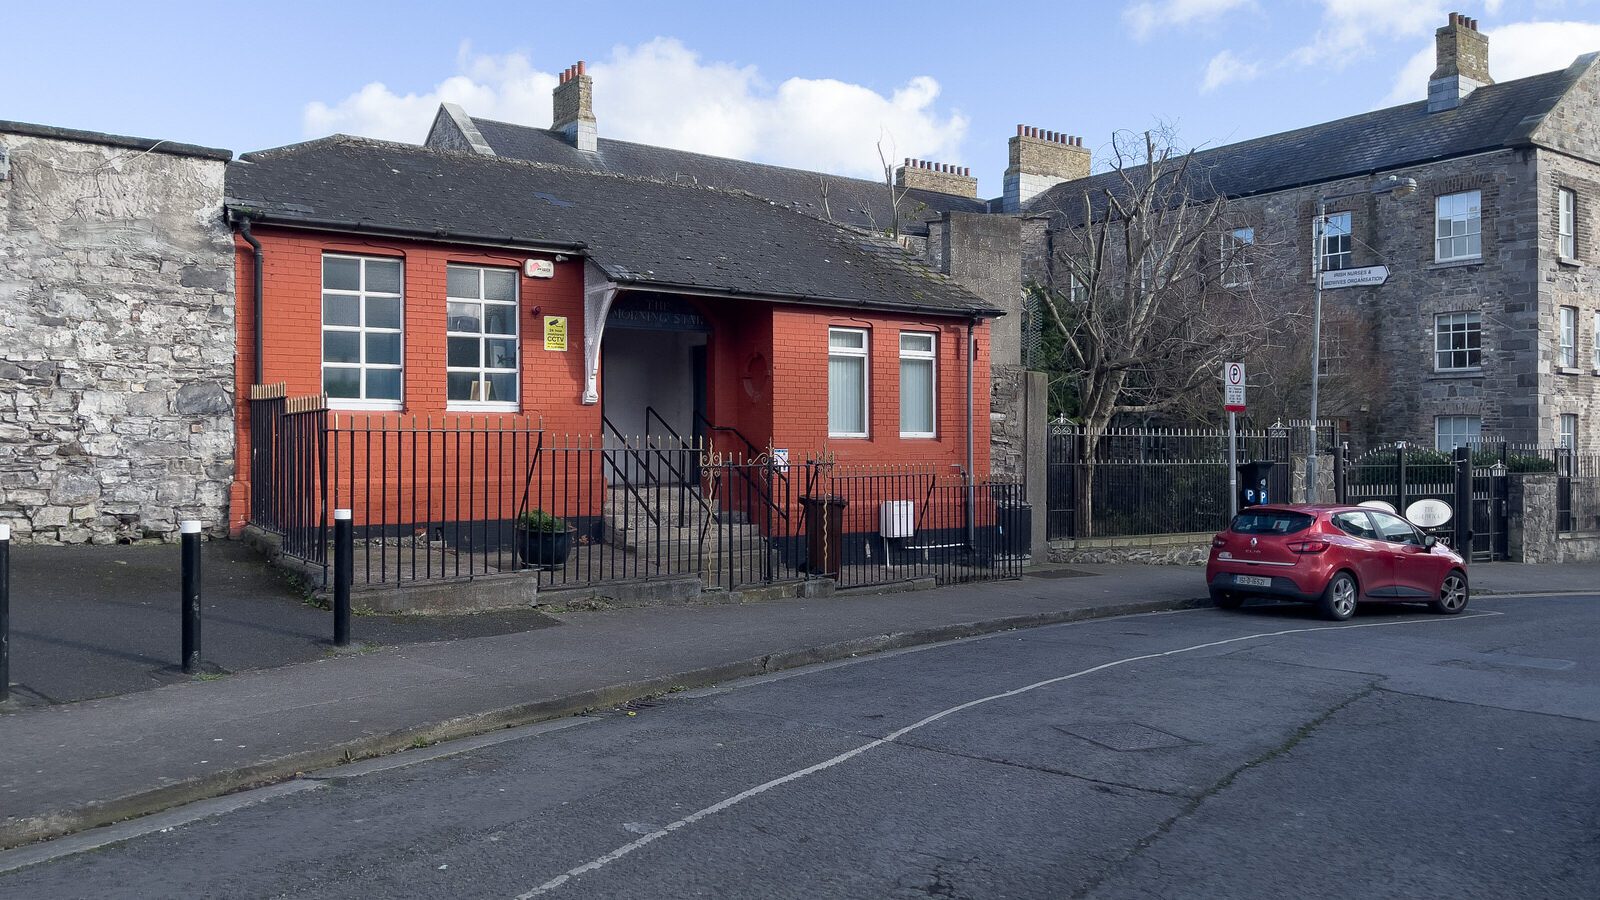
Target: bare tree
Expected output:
[1159,282]
[896,194]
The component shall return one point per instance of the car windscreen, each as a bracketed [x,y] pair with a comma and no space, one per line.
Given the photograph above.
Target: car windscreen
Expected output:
[1270,521]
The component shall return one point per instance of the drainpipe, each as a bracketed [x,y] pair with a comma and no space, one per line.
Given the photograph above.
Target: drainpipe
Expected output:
[972,357]
[255,289]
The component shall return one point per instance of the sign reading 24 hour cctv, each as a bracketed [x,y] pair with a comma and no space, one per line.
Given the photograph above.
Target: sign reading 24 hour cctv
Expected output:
[1233,387]
[1362,277]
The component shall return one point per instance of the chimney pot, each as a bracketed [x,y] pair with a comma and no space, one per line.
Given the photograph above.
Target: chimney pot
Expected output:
[1019,130]
[580,67]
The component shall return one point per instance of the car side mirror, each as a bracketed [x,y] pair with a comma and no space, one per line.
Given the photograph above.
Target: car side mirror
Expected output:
[1428,541]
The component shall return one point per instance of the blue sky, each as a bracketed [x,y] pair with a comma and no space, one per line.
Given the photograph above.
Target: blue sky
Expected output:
[813,85]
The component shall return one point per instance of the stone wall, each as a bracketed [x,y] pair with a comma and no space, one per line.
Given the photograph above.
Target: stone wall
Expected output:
[1159,550]
[116,337]
[1533,536]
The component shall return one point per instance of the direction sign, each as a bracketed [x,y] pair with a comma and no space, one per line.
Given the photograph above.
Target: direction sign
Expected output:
[1233,387]
[1362,277]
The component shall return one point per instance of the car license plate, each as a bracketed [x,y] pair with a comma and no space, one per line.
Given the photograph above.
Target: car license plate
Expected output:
[1252,581]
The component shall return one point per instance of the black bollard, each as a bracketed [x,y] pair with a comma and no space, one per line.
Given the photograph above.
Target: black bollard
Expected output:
[5,612]
[344,548]
[190,531]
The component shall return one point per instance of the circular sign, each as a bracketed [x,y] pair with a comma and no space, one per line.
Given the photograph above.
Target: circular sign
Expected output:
[1377,504]
[1429,513]
[1235,373]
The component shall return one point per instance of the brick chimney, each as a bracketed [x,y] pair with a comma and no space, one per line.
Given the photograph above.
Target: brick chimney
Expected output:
[1463,54]
[942,178]
[574,109]
[1041,160]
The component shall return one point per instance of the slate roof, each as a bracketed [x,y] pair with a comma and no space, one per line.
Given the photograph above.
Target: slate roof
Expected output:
[857,202]
[1492,117]
[641,232]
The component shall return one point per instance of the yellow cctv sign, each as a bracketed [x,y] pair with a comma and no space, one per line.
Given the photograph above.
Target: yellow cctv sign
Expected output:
[555,333]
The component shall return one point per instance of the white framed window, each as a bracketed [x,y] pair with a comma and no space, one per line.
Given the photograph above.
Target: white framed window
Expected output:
[1457,341]
[1336,242]
[1457,226]
[1567,355]
[1567,432]
[847,382]
[1234,256]
[1450,432]
[362,319]
[1567,224]
[918,350]
[1595,337]
[1335,352]
[481,337]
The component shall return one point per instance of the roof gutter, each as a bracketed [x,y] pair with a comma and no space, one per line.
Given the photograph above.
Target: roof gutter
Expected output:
[635,283]
[508,241]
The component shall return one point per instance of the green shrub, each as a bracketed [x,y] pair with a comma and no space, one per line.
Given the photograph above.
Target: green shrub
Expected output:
[539,520]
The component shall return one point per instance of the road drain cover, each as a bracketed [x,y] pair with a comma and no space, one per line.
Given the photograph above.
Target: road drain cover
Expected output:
[1125,736]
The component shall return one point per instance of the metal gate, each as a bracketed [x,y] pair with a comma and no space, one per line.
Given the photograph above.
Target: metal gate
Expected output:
[1401,474]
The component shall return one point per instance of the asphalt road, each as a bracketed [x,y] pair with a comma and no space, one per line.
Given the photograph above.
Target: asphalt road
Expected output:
[1262,753]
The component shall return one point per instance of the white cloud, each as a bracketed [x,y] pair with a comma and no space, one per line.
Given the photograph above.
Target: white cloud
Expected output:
[1348,25]
[661,92]
[1515,51]
[1147,16]
[1227,68]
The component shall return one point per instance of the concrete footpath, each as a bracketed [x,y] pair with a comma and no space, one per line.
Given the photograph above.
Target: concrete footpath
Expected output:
[77,765]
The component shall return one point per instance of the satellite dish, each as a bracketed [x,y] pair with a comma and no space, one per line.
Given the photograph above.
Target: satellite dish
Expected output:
[1429,513]
[1377,504]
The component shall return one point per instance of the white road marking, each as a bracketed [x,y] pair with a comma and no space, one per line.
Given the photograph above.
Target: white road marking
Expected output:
[727,802]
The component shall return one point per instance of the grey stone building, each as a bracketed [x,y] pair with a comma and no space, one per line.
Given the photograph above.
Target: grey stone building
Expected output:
[1487,323]
[116,336]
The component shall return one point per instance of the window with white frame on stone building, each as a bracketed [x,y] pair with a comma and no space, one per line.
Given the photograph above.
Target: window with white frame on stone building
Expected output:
[362,316]
[1567,226]
[1457,226]
[917,351]
[481,337]
[1457,341]
[847,382]
[1450,432]
[1234,256]
[1567,432]
[1567,353]
[1331,360]
[1336,242]
[1594,336]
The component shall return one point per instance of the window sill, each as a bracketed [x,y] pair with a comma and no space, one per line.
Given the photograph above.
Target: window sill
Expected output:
[1568,370]
[365,405]
[1568,262]
[1455,263]
[460,407]
[1457,373]
[908,436]
[848,437]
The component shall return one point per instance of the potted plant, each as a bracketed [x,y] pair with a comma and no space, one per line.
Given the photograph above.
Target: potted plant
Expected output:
[543,540]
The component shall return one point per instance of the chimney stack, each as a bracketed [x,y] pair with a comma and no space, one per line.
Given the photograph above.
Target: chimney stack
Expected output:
[1041,160]
[1463,63]
[574,108]
[941,178]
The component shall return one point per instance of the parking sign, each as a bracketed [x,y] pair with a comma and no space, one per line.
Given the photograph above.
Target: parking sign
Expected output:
[1233,387]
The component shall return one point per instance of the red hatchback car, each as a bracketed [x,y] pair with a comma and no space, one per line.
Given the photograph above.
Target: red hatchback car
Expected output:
[1335,557]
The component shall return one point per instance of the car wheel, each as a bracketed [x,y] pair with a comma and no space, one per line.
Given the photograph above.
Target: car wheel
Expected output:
[1339,598]
[1453,594]
[1226,599]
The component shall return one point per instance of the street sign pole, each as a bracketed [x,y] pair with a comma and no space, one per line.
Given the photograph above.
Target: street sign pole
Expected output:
[1233,464]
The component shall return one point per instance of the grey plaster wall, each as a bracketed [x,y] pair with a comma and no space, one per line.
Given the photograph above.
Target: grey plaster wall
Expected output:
[116,339]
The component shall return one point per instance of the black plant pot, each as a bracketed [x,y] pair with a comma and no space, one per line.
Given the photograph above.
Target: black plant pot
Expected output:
[544,549]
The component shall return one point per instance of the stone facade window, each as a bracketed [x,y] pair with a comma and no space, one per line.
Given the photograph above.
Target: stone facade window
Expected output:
[1336,242]
[847,382]
[362,318]
[917,352]
[1457,226]
[1567,223]
[481,337]
[1567,355]
[1334,349]
[1450,432]
[1567,432]
[1457,341]
[1234,256]
[1595,336]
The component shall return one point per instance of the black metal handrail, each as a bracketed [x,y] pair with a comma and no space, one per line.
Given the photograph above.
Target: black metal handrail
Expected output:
[752,452]
[627,482]
[651,414]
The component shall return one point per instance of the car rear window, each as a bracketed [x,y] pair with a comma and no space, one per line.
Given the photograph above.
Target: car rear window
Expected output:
[1271,521]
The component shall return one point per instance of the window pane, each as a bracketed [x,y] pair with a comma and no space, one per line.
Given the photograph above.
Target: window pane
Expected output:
[383,349]
[383,384]
[502,388]
[462,352]
[383,276]
[341,309]
[499,284]
[344,383]
[463,317]
[500,318]
[922,343]
[461,281]
[845,339]
[383,312]
[341,274]
[459,385]
[502,354]
[916,396]
[847,382]
[341,346]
